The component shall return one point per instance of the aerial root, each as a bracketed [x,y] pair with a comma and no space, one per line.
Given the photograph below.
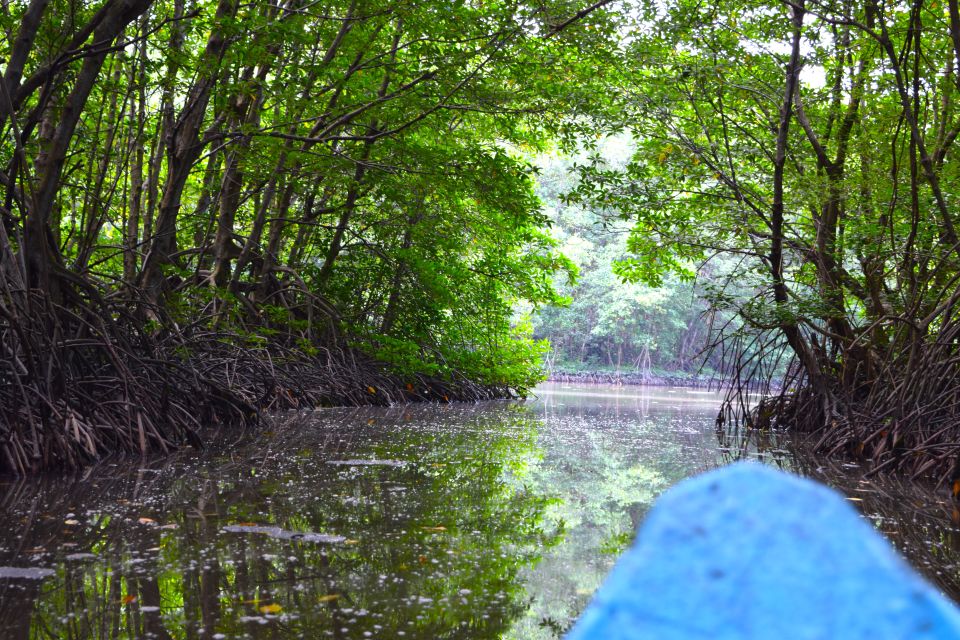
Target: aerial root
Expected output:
[904,417]
[82,382]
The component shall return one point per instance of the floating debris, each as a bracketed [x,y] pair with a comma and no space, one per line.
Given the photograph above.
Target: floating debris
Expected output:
[369,463]
[283,534]
[25,573]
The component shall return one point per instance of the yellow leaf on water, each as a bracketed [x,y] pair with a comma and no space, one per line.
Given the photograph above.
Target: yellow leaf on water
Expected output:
[328,598]
[371,390]
[128,599]
[436,529]
[271,608]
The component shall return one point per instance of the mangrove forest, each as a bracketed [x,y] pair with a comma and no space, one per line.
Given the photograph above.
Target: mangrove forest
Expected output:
[394,318]
[213,210]
[216,211]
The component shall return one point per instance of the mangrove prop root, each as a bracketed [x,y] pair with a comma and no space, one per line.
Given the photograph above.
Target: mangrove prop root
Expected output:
[80,382]
[902,417]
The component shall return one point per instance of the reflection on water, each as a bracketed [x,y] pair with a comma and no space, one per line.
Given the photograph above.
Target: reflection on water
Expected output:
[271,540]
[606,453]
[496,520]
[918,520]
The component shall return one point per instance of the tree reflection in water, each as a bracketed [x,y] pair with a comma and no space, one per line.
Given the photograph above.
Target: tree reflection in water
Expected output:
[921,521]
[484,521]
[432,548]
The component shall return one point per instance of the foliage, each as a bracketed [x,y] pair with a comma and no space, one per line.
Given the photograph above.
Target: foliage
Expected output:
[295,168]
[812,144]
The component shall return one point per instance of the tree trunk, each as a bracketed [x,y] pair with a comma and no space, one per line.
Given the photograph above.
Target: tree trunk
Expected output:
[40,252]
[183,151]
[137,118]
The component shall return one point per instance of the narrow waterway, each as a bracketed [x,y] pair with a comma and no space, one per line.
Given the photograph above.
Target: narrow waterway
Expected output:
[496,520]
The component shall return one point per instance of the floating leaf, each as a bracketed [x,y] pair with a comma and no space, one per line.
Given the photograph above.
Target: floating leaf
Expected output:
[128,599]
[371,390]
[71,522]
[435,529]
[147,521]
[328,598]
[271,608]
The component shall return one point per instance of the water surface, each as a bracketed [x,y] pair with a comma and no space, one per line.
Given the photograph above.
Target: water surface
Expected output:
[496,520]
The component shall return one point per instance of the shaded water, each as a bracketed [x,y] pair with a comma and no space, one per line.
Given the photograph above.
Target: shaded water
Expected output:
[496,520]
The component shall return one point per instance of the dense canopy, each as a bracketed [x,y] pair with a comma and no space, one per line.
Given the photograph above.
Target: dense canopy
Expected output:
[213,208]
[190,182]
[812,143]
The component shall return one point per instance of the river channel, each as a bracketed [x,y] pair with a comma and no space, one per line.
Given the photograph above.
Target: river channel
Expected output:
[494,520]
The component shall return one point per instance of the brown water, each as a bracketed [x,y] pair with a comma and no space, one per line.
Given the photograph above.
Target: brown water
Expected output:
[495,520]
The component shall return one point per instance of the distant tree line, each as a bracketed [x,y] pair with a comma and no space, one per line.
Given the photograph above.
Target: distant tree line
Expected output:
[609,323]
